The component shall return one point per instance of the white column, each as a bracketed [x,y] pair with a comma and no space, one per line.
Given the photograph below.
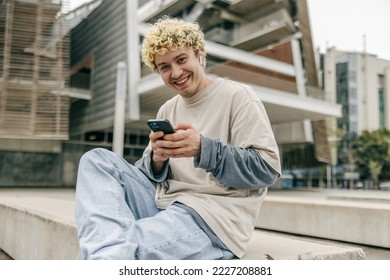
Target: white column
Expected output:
[120,109]
[299,72]
[133,59]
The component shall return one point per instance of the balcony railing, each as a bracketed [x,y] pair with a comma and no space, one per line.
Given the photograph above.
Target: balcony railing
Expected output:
[80,80]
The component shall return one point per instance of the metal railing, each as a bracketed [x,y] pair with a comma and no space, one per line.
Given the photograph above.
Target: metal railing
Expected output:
[80,80]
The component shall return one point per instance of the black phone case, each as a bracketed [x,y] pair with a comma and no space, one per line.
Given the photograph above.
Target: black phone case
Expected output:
[161,125]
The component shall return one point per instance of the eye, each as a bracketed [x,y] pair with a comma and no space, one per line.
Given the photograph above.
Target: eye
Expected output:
[163,68]
[182,60]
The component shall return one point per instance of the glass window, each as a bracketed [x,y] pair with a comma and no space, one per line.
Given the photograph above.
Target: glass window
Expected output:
[381,109]
[381,101]
[381,79]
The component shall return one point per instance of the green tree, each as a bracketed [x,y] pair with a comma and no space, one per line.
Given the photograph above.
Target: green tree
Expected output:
[372,151]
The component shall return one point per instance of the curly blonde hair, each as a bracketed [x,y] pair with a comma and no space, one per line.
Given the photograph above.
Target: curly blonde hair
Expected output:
[171,34]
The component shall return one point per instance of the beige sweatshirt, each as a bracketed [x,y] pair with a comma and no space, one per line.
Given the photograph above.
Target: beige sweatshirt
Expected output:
[232,113]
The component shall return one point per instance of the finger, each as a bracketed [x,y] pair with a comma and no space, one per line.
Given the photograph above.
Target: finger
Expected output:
[176,152]
[179,135]
[183,126]
[169,143]
[154,136]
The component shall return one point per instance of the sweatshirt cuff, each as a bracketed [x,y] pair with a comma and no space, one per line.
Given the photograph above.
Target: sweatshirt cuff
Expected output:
[203,159]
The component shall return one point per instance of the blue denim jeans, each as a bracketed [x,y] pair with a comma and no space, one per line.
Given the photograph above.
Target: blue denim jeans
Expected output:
[117,218]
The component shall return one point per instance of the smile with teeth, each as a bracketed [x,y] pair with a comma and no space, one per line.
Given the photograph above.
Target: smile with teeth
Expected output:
[182,81]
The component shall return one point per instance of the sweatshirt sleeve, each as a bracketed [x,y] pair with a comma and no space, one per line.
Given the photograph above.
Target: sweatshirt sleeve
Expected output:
[240,168]
[145,165]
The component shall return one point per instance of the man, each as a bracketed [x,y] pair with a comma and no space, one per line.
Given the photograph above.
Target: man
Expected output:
[196,193]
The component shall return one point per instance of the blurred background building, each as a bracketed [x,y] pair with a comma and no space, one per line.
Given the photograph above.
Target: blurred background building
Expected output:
[58,80]
[360,83]
[34,104]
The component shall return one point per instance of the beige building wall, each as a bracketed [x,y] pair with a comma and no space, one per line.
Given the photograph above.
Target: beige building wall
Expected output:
[368,68]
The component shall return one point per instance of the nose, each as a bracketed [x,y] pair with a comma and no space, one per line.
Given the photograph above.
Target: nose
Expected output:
[176,71]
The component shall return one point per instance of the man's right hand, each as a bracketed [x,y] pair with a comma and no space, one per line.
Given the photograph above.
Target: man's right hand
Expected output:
[158,158]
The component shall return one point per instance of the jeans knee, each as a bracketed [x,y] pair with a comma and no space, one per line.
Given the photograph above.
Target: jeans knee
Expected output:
[93,156]
[104,159]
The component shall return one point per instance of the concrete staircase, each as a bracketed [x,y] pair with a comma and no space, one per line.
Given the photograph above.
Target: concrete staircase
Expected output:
[361,217]
[39,225]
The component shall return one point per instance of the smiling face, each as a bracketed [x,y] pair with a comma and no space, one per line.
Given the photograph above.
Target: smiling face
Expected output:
[182,71]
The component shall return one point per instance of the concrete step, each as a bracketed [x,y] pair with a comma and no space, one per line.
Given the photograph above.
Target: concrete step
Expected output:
[360,217]
[280,246]
[41,226]
[36,228]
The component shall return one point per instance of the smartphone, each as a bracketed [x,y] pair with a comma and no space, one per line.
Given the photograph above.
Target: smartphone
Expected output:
[161,125]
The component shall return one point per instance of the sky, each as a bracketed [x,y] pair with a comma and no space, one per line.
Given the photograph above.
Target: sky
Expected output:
[344,24]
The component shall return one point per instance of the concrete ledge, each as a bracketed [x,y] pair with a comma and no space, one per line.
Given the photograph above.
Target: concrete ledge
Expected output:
[38,228]
[284,247]
[354,219]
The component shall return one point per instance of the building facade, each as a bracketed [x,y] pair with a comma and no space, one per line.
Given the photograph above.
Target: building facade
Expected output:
[34,105]
[360,83]
[266,44]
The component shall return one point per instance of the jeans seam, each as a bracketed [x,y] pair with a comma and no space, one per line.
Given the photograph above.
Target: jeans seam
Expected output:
[170,241]
[120,170]
[144,183]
